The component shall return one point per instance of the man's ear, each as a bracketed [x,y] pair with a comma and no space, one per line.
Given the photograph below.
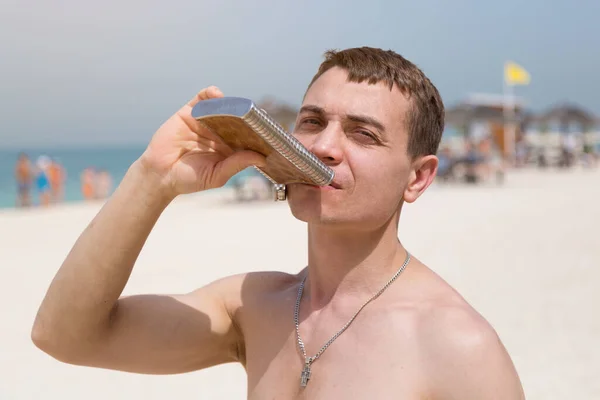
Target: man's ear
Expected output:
[423,172]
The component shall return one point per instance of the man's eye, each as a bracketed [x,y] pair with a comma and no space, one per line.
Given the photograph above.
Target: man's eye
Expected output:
[366,133]
[365,136]
[312,121]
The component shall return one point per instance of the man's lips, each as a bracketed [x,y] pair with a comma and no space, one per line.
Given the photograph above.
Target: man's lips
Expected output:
[331,186]
[335,185]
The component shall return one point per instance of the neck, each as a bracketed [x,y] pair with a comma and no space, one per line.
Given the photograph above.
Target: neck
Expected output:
[342,261]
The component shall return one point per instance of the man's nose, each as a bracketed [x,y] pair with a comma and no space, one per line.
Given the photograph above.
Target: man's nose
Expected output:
[327,144]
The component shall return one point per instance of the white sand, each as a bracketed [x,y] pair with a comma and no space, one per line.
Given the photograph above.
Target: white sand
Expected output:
[526,255]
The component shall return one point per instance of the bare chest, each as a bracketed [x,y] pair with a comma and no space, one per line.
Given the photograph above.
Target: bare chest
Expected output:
[375,358]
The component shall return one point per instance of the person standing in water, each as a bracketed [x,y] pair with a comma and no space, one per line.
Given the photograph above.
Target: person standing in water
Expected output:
[42,180]
[24,178]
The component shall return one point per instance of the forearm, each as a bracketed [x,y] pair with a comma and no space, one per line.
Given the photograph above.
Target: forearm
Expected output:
[79,301]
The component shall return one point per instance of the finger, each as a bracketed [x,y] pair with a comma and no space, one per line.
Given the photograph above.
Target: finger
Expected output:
[185,112]
[210,92]
[236,163]
[212,145]
[200,130]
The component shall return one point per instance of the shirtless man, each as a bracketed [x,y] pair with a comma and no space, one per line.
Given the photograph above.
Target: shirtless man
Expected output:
[24,178]
[376,120]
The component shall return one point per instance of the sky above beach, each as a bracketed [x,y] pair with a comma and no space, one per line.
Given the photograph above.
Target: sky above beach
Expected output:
[109,73]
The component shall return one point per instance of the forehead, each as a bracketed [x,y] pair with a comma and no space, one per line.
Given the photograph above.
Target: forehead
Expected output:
[333,92]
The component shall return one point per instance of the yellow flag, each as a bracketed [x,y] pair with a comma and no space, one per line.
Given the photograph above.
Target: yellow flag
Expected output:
[514,74]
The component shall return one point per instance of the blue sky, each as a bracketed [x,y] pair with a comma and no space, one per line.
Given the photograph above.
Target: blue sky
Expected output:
[89,73]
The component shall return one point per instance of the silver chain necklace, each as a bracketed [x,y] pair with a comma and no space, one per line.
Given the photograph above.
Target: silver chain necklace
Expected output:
[305,376]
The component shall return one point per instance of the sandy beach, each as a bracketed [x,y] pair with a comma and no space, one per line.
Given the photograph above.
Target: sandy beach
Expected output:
[525,255]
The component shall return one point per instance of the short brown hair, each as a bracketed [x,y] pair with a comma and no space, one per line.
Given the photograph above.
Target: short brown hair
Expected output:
[425,118]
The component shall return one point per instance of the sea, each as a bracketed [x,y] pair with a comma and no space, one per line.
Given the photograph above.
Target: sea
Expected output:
[115,160]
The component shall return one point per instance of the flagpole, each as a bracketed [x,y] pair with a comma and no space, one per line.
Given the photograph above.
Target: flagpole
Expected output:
[514,74]
[509,119]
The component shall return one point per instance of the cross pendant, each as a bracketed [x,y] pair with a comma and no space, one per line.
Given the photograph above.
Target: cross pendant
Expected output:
[305,375]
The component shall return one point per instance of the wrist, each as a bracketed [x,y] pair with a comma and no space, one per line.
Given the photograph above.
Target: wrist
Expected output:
[149,185]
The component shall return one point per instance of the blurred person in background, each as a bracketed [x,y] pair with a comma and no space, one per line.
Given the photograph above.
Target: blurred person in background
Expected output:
[57,178]
[103,184]
[42,180]
[24,179]
[88,183]
[446,164]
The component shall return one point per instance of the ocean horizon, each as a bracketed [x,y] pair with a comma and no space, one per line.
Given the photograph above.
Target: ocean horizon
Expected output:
[115,160]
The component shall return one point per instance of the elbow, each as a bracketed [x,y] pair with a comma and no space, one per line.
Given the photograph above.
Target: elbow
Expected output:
[42,339]
[63,350]
[40,336]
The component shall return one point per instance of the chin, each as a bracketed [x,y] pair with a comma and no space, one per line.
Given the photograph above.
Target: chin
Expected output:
[315,215]
[337,221]
[324,211]
[333,210]
[315,205]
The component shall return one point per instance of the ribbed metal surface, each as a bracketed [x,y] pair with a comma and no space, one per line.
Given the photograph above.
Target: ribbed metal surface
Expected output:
[288,146]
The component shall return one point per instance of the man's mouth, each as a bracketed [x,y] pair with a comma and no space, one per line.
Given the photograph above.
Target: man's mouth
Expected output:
[331,186]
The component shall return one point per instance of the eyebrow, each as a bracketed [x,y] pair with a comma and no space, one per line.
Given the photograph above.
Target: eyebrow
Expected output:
[363,119]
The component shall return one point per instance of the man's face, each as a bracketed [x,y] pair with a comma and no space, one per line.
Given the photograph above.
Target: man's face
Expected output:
[359,131]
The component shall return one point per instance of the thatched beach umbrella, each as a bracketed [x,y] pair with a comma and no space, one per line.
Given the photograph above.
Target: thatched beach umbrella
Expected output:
[567,113]
[488,109]
[283,113]
[477,108]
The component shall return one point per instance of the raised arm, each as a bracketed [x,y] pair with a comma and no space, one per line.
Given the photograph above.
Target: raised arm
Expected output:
[82,319]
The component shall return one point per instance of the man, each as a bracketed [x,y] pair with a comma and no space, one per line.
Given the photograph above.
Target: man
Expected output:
[376,120]
[24,178]
[42,180]
[57,178]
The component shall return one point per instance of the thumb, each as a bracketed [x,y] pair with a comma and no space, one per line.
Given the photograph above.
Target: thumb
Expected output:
[237,162]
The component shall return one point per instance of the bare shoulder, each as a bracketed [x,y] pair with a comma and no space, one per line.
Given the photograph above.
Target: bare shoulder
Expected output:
[248,298]
[462,351]
[239,289]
